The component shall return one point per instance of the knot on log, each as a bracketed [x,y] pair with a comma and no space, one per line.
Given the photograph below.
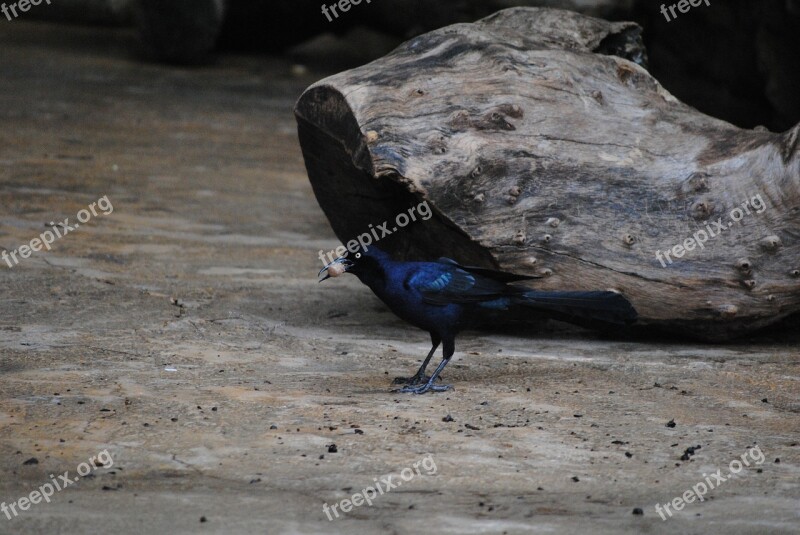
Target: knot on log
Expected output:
[744,265]
[697,183]
[729,312]
[771,243]
[749,284]
[702,209]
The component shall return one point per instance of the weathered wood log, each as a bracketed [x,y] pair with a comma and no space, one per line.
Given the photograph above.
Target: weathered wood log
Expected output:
[541,154]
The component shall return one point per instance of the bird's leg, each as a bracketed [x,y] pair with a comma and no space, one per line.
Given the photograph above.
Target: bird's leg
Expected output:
[420,376]
[449,349]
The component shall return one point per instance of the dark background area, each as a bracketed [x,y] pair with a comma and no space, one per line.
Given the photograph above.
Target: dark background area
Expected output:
[738,60]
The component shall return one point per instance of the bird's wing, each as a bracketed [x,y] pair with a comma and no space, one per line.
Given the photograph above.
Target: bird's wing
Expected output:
[444,284]
[493,274]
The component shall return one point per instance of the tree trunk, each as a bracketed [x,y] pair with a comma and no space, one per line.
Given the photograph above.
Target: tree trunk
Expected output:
[543,151]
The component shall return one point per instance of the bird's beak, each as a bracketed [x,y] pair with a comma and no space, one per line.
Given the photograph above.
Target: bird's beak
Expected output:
[341,261]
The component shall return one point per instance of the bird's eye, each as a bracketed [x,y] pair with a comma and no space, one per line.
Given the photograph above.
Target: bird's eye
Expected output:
[358,255]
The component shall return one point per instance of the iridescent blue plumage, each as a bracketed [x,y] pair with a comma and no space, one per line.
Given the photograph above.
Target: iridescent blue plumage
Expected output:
[444,298]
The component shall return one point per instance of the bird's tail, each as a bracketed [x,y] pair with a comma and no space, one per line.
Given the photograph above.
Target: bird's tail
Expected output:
[606,307]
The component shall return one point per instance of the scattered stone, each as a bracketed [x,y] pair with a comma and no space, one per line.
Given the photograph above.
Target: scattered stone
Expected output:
[687,454]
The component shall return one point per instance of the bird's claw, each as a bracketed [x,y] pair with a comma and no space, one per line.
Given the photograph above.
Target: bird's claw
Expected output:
[412,381]
[421,389]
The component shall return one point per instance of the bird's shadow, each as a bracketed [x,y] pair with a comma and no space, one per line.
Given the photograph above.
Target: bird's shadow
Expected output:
[783,333]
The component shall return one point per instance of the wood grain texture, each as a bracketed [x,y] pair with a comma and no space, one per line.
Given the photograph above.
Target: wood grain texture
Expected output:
[543,153]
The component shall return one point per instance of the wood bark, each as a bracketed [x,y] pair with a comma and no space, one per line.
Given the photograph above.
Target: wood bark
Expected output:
[544,148]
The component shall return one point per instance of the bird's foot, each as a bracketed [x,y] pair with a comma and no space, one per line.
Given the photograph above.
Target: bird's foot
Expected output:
[421,389]
[411,381]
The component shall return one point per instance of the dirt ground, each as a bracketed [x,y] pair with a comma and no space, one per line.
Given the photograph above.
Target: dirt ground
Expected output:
[185,334]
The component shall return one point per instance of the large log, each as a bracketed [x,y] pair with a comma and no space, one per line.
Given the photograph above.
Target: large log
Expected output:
[542,152]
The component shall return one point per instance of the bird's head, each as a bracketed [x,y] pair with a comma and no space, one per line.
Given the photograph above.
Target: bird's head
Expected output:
[363,262]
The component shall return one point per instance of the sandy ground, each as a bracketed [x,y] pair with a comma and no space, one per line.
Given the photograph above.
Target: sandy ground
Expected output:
[185,334]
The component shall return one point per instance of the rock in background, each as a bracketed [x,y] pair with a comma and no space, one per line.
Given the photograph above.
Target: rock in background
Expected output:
[86,11]
[179,31]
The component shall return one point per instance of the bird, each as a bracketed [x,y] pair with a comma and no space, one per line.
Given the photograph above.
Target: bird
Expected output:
[444,298]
